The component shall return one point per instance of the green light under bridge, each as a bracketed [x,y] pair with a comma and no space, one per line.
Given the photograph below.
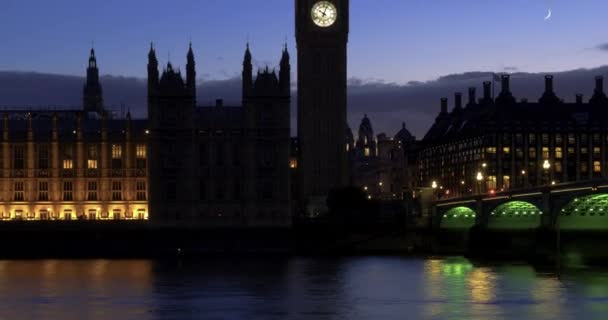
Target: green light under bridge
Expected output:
[585,213]
[458,218]
[515,215]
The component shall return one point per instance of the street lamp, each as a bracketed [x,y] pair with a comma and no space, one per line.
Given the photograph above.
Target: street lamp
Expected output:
[546,166]
[435,191]
[479,178]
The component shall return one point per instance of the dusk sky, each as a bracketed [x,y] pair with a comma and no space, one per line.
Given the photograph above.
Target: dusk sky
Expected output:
[390,40]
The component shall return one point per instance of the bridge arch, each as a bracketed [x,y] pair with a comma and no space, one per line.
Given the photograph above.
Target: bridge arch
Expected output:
[588,212]
[458,218]
[520,215]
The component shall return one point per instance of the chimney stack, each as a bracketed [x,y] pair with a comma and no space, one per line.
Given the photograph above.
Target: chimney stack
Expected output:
[549,83]
[599,84]
[458,100]
[505,83]
[487,90]
[472,96]
[444,105]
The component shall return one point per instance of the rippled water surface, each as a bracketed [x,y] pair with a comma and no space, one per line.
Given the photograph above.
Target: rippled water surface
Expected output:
[296,288]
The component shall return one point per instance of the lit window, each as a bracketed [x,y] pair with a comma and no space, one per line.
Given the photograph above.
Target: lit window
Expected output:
[545,153]
[367,153]
[491,182]
[19,191]
[141,190]
[293,163]
[116,151]
[558,153]
[596,151]
[597,166]
[347,147]
[92,164]
[92,191]
[506,150]
[116,190]
[491,150]
[43,191]
[558,167]
[571,139]
[68,164]
[532,152]
[140,151]
[67,191]
[506,182]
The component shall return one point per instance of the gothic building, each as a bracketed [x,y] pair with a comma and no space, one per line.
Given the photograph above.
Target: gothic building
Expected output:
[197,165]
[494,144]
[73,164]
[220,165]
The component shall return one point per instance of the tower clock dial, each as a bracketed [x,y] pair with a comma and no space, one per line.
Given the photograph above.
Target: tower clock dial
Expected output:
[324,14]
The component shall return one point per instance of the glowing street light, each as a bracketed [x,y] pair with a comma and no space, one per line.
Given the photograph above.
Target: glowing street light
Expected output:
[546,165]
[483,165]
[434,185]
[479,176]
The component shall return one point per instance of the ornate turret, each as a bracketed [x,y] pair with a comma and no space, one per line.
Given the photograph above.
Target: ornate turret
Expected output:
[54,129]
[152,71]
[5,126]
[128,126]
[191,73]
[92,93]
[285,73]
[247,73]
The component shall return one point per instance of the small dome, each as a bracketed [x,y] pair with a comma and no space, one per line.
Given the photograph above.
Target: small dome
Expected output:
[404,134]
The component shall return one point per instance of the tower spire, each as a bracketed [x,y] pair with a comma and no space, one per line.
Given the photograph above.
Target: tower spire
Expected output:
[247,73]
[92,93]
[152,70]
[285,73]
[191,72]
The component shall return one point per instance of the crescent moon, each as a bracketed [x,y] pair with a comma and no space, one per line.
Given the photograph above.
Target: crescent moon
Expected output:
[548,15]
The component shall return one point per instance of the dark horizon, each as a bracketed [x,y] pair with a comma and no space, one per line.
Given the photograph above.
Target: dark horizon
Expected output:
[416,103]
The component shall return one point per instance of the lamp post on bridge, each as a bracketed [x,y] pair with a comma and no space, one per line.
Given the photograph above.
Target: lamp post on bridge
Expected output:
[546,167]
[479,178]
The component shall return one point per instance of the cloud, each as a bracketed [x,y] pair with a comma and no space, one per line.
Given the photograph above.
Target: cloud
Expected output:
[510,68]
[603,46]
[387,104]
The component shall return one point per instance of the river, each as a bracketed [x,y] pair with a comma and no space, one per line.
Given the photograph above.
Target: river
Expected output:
[297,288]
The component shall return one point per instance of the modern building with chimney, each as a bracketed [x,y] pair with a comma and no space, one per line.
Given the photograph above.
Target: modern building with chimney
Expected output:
[498,143]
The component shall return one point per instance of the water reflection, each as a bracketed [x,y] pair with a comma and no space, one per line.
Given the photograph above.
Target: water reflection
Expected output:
[296,288]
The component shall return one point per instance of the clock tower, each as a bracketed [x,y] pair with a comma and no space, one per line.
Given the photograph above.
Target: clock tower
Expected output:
[322,37]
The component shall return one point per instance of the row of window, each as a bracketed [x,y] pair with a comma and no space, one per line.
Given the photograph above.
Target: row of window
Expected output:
[68,191]
[67,154]
[91,214]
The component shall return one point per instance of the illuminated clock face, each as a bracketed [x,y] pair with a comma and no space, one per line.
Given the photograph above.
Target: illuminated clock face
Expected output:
[324,14]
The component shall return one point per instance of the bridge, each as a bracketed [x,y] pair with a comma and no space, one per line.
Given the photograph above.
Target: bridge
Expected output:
[576,206]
